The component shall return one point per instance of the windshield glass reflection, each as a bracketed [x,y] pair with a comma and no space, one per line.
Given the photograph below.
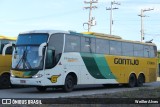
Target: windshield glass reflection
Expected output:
[26,57]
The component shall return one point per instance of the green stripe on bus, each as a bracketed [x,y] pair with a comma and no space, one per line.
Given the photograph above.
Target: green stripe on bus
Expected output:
[30,73]
[103,66]
[26,73]
[92,66]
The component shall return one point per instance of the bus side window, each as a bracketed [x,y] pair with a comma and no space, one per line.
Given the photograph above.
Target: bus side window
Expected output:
[72,43]
[146,51]
[115,47]
[127,49]
[8,51]
[57,57]
[2,45]
[138,50]
[93,45]
[153,52]
[50,60]
[85,44]
[102,46]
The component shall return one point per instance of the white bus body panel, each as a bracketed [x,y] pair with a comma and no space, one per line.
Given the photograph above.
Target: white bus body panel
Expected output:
[69,62]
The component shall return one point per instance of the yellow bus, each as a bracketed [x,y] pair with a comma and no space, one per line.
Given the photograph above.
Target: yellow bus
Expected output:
[5,61]
[158,65]
[45,59]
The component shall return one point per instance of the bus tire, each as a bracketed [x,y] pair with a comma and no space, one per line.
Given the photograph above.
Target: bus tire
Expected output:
[5,81]
[41,88]
[132,80]
[140,80]
[69,84]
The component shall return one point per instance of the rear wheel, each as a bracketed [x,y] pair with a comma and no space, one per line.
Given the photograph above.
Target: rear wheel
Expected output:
[132,80]
[41,88]
[69,84]
[5,81]
[140,80]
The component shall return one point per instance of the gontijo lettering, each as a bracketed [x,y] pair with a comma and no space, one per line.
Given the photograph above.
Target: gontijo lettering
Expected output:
[126,61]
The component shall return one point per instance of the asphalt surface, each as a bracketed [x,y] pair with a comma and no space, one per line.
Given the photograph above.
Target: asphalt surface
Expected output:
[32,92]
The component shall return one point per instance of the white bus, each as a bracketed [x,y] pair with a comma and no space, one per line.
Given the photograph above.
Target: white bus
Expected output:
[57,58]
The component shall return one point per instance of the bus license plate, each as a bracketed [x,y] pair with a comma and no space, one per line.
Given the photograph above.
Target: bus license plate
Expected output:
[22,81]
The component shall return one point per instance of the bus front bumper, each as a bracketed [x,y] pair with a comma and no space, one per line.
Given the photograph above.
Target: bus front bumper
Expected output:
[27,81]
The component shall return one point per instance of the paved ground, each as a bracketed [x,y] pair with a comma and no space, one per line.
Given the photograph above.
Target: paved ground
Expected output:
[78,91]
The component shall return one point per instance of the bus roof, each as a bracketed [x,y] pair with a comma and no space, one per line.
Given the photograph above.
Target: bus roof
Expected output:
[90,34]
[102,35]
[45,31]
[113,37]
[7,38]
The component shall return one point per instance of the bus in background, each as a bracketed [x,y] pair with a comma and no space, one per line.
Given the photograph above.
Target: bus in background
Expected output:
[5,61]
[159,63]
[44,58]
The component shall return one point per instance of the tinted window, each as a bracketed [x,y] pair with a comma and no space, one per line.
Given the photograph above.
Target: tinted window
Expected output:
[93,45]
[32,39]
[50,59]
[56,43]
[102,46]
[85,44]
[146,51]
[127,49]
[153,51]
[115,47]
[9,49]
[138,50]
[72,43]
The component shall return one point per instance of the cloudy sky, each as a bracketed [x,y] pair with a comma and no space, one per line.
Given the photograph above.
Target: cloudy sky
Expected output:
[23,15]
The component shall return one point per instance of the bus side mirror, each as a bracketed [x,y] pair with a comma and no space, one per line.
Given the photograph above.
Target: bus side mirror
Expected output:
[40,50]
[5,48]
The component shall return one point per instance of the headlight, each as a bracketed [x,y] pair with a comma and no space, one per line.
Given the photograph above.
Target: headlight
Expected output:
[37,76]
[12,74]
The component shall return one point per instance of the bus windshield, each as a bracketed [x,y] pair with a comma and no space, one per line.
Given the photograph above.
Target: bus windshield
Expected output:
[25,56]
[32,39]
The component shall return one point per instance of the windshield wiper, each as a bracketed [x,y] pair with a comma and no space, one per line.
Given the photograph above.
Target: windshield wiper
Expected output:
[24,61]
[20,60]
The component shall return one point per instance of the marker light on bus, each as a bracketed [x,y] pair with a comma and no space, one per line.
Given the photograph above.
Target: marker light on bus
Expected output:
[37,76]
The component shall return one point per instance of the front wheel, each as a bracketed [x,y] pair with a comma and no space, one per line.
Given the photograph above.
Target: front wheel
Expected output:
[41,88]
[69,84]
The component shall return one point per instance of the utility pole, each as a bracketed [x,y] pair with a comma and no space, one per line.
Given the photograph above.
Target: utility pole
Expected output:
[142,25]
[91,20]
[111,9]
